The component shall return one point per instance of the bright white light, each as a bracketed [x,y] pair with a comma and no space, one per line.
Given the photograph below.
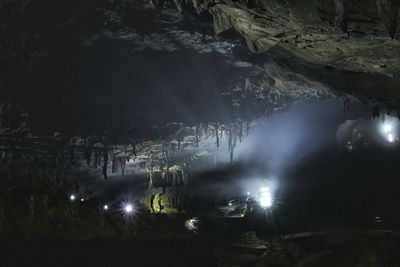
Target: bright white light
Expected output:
[390,138]
[128,208]
[82,199]
[265,199]
[387,127]
[105,207]
[72,197]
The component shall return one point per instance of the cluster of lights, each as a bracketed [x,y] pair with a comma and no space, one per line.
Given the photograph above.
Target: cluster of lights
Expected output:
[389,129]
[73,197]
[127,208]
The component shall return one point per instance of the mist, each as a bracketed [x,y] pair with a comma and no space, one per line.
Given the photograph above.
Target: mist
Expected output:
[286,138]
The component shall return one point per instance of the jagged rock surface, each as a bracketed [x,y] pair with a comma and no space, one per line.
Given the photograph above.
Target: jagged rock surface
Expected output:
[306,29]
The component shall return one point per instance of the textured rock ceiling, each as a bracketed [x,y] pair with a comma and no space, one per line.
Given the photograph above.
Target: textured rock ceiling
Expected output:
[121,72]
[306,29]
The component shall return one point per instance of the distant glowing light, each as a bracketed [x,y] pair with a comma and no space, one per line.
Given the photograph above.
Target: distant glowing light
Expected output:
[129,209]
[105,207]
[265,199]
[82,199]
[192,224]
[390,138]
[387,127]
[72,197]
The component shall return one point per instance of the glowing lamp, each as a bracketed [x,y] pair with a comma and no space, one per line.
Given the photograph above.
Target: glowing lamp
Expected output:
[390,138]
[128,208]
[265,199]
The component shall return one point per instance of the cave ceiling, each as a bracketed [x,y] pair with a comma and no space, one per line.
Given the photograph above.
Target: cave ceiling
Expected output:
[139,79]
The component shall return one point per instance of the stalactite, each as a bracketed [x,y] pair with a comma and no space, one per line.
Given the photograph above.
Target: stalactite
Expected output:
[167,173]
[231,155]
[183,177]
[158,6]
[200,131]
[114,163]
[105,163]
[216,135]
[197,136]
[240,130]
[230,132]
[173,179]
[134,149]
[166,154]
[233,148]
[88,154]
[388,11]
[151,180]
[161,164]
[96,158]
[123,165]
[341,14]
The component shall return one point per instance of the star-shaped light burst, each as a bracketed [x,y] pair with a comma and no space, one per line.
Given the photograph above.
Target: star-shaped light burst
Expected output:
[129,209]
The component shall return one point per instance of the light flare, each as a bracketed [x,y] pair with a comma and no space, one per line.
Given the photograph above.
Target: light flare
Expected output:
[265,199]
[128,209]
